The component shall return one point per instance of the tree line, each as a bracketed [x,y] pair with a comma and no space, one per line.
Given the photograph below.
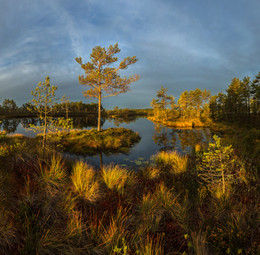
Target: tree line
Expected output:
[10,108]
[241,102]
[191,105]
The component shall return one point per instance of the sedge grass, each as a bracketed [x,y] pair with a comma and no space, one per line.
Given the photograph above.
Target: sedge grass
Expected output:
[151,246]
[150,172]
[149,213]
[7,232]
[172,161]
[84,182]
[117,178]
[54,176]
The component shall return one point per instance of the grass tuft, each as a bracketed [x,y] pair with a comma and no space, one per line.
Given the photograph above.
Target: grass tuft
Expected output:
[84,181]
[172,161]
[117,178]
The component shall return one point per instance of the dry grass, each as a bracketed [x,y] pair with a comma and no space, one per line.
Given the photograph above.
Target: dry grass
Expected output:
[150,172]
[117,178]
[84,182]
[171,160]
[151,246]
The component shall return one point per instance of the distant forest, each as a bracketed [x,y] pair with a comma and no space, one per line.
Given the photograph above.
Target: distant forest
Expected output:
[240,102]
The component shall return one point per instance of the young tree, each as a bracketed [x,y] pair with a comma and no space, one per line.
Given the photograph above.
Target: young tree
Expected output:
[217,167]
[44,98]
[161,103]
[103,80]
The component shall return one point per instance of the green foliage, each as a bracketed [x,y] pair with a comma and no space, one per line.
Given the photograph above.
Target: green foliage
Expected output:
[192,102]
[9,106]
[192,108]
[217,167]
[61,124]
[44,98]
[11,149]
[241,103]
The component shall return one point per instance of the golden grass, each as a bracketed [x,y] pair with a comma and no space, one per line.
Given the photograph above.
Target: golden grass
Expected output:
[116,178]
[179,123]
[84,181]
[172,161]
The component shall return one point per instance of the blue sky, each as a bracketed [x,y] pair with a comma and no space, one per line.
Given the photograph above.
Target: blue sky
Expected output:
[182,45]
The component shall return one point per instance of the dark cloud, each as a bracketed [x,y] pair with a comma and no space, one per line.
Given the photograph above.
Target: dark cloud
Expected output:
[182,45]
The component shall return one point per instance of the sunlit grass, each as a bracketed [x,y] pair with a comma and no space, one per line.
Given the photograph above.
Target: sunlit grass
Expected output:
[172,161]
[199,246]
[84,181]
[117,178]
[149,213]
[54,175]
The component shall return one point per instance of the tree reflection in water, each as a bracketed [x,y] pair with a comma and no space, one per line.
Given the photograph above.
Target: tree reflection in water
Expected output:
[81,122]
[9,125]
[192,137]
[122,120]
[26,122]
[167,138]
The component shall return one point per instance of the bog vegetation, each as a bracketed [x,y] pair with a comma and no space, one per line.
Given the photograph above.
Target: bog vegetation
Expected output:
[205,202]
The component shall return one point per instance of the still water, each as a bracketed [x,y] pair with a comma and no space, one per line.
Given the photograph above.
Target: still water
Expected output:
[154,138]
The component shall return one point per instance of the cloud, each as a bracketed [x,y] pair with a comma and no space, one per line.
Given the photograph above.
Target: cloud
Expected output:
[180,44]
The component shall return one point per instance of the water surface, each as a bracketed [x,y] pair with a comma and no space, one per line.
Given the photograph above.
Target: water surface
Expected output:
[154,138]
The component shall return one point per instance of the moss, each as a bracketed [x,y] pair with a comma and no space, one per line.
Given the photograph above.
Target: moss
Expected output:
[91,142]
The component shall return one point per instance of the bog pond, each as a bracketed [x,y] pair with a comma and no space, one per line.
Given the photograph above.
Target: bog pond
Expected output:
[154,137]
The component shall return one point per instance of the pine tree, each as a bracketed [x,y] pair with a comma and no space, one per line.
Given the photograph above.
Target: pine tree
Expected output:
[217,167]
[103,80]
[44,99]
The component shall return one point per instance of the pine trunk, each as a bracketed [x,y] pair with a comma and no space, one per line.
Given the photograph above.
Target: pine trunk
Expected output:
[99,111]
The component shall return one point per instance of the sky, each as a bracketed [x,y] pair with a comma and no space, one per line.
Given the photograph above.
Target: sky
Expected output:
[182,45]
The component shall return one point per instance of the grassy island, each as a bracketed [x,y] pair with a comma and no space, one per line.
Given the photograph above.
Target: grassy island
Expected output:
[90,142]
[179,123]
